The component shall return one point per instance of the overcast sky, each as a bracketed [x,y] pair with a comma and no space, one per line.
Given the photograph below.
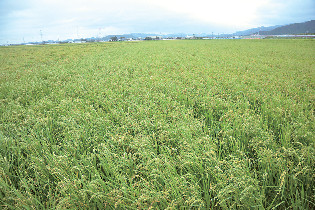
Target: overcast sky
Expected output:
[61,19]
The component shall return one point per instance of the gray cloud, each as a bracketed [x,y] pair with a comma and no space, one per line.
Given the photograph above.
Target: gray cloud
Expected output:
[286,11]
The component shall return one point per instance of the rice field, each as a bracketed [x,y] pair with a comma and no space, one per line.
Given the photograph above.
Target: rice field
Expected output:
[185,124]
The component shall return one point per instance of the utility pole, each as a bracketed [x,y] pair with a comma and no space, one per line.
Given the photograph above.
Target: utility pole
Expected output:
[41,35]
[99,34]
[77,32]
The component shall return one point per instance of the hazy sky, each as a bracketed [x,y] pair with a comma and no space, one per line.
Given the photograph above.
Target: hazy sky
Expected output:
[28,19]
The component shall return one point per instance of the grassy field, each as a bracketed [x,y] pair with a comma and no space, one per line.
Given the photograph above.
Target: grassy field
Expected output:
[158,124]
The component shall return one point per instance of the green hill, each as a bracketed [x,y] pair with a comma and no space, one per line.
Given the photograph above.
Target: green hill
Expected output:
[296,28]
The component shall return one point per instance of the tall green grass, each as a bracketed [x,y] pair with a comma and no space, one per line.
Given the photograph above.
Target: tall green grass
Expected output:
[169,124]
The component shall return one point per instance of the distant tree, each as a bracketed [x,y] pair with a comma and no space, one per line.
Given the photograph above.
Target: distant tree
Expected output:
[148,38]
[114,39]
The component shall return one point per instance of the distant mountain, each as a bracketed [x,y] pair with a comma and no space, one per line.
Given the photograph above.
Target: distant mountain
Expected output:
[254,30]
[295,28]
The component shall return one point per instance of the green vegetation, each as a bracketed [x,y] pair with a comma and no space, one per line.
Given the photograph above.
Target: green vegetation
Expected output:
[295,28]
[179,124]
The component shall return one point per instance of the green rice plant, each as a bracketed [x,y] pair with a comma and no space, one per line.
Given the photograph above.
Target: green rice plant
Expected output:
[205,124]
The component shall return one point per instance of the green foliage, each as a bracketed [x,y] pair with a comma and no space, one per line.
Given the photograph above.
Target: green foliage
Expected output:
[171,124]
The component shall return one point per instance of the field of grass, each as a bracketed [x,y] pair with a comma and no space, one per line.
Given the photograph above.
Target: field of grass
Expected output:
[158,124]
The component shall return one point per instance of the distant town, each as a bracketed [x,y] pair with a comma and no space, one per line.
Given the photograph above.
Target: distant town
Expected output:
[144,37]
[296,30]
